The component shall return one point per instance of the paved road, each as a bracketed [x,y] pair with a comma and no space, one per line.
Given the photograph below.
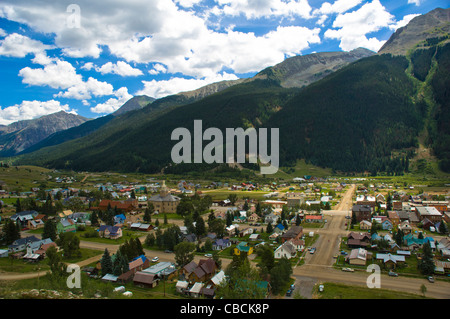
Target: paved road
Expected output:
[318,267]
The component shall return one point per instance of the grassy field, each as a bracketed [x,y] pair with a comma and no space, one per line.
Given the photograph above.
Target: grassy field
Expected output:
[341,291]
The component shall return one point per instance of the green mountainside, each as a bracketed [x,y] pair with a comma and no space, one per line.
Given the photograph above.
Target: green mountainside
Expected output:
[369,115]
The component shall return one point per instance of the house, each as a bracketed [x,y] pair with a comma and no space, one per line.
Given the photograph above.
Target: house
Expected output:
[139,263]
[405,227]
[202,272]
[365,200]
[126,205]
[271,218]
[358,240]
[218,279]
[430,213]
[196,290]
[161,270]
[294,232]
[294,199]
[386,224]
[242,247]
[313,218]
[362,212]
[279,229]
[35,224]
[299,244]
[358,256]
[286,250]
[119,219]
[111,232]
[253,218]
[144,279]
[393,216]
[65,225]
[21,243]
[182,286]
[254,237]
[365,225]
[65,213]
[221,244]
[24,217]
[390,261]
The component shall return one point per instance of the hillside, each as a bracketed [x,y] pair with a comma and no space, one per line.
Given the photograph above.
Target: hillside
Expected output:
[434,24]
[369,115]
[21,135]
[135,103]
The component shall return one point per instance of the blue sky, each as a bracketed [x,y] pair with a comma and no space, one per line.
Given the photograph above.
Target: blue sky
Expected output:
[90,57]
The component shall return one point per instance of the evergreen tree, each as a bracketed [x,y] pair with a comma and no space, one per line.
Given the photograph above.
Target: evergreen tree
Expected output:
[426,264]
[269,228]
[139,249]
[106,263]
[49,230]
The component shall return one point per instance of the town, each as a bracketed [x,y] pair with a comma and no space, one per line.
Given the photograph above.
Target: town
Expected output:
[157,237]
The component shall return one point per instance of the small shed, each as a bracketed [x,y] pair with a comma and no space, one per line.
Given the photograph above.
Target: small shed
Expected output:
[144,279]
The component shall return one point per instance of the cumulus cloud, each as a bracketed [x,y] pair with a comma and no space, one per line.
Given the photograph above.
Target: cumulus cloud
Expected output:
[113,104]
[179,39]
[28,110]
[353,27]
[158,89]
[59,74]
[19,46]
[120,68]
[406,19]
[265,8]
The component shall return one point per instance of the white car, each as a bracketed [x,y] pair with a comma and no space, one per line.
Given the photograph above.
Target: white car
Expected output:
[348,269]
[155,259]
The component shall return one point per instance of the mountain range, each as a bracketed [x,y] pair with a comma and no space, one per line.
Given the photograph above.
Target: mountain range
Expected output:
[350,111]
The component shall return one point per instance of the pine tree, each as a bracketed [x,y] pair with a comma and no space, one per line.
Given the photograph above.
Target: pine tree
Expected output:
[426,264]
[106,263]
[49,230]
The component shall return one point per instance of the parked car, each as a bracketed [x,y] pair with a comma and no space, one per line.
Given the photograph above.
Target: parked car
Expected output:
[289,293]
[155,259]
[208,255]
[321,287]
[431,279]
[393,274]
[312,251]
[348,269]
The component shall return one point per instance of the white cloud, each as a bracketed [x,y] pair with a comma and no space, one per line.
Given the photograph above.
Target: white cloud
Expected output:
[406,19]
[339,6]
[85,90]
[416,2]
[3,33]
[188,3]
[28,110]
[158,31]
[157,69]
[120,68]
[353,27]
[113,104]
[265,8]
[158,89]
[19,46]
[88,66]
[58,75]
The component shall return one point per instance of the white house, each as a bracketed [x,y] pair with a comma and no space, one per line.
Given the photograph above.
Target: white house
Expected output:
[287,250]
